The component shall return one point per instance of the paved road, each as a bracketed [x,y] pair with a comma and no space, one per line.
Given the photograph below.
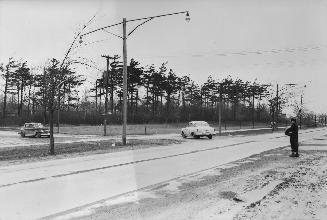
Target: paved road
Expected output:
[42,189]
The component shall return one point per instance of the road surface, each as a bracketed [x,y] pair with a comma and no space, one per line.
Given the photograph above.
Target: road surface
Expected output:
[48,189]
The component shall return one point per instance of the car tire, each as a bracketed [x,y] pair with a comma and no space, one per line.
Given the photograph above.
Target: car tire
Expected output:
[183,135]
[210,136]
[22,134]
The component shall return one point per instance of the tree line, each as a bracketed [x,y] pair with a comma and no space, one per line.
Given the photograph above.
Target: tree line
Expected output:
[158,94]
[155,95]
[26,91]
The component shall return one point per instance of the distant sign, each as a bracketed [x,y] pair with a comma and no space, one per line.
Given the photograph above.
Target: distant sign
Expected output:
[11,114]
[106,114]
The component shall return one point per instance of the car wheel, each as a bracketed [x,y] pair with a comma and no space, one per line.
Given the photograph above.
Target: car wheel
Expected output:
[22,134]
[38,135]
[183,135]
[210,136]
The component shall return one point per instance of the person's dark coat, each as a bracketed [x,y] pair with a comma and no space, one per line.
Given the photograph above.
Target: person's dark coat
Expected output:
[293,133]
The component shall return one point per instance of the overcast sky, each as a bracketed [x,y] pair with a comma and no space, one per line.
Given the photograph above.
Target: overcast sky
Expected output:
[273,41]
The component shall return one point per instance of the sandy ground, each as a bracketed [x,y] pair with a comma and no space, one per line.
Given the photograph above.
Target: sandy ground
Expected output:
[270,185]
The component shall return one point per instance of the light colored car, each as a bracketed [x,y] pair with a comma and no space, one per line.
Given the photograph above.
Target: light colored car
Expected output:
[198,129]
[34,130]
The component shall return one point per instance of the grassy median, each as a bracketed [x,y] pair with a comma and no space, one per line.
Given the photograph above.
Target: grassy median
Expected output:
[62,150]
[141,129]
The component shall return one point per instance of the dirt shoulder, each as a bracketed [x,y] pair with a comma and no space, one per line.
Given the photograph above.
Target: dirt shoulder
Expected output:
[270,185]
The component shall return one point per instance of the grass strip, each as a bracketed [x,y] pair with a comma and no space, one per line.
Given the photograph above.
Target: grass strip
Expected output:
[81,148]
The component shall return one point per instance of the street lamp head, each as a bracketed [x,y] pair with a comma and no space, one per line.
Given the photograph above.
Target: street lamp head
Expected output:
[187,18]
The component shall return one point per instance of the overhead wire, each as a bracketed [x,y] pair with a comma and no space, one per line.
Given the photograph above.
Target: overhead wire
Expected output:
[248,52]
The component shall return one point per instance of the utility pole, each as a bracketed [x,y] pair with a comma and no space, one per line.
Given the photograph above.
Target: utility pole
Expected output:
[219,109]
[301,111]
[58,111]
[105,78]
[96,95]
[277,107]
[51,111]
[124,83]
[124,37]
[43,96]
[253,107]
[112,87]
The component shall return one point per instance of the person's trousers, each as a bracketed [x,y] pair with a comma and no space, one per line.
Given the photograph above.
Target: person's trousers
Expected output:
[294,146]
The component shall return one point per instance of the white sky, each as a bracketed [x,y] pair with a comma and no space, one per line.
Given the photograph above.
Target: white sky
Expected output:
[275,41]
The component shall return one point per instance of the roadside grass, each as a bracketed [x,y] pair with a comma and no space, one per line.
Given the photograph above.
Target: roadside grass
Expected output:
[63,150]
[146,129]
[143,129]
[22,154]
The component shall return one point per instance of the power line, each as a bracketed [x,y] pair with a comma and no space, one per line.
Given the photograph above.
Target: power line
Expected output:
[287,50]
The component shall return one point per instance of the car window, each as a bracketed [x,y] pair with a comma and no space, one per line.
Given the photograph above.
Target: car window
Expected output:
[39,126]
[202,123]
[205,124]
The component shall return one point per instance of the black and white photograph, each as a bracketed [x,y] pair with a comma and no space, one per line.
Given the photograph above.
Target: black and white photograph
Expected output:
[163,110]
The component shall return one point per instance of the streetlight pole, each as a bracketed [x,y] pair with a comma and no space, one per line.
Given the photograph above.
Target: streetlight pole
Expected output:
[277,108]
[51,110]
[124,38]
[124,83]
[219,108]
[301,111]
[253,112]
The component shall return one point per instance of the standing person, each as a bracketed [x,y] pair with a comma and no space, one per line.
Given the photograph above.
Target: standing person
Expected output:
[294,139]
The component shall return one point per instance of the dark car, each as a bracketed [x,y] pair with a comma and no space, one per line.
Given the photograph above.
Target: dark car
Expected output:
[34,130]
